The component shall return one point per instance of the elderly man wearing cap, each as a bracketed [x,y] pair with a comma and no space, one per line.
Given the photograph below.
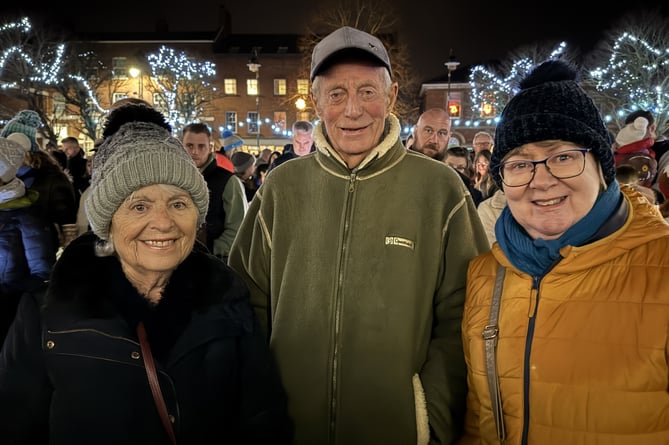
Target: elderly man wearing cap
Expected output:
[565,322]
[356,258]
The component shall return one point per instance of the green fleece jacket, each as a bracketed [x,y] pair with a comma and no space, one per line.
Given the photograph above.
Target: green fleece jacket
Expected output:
[359,278]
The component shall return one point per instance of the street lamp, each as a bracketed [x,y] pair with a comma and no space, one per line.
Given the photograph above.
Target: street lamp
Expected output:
[136,73]
[452,65]
[254,67]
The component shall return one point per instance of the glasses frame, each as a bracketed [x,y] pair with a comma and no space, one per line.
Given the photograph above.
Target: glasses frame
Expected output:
[583,151]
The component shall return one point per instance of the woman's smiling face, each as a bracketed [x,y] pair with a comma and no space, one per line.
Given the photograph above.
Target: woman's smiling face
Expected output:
[154,230]
[547,206]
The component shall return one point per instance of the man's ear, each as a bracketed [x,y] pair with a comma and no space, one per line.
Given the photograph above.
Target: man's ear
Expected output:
[314,100]
[392,96]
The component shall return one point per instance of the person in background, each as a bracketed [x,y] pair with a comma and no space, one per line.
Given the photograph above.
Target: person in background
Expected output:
[659,148]
[227,204]
[458,159]
[482,141]
[76,165]
[231,143]
[432,133]
[482,178]
[302,144]
[57,154]
[263,156]
[565,321]
[634,147]
[74,366]
[245,168]
[489,210]
[26,122]
[361,299]
[628,175]
[56,200]
[26,244]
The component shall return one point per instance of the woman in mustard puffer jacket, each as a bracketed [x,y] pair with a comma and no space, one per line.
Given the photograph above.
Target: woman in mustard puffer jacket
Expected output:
[577,352]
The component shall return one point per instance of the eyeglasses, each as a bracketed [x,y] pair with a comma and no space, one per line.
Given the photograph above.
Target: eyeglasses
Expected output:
[481,164]
[562,165]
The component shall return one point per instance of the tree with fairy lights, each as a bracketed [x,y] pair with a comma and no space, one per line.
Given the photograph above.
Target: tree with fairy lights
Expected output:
[491,91]
[633,70]
[86,78]
[40,69]
[182,85]
[29,63]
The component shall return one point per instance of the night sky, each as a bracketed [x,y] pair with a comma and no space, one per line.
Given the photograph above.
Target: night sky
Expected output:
[478,31]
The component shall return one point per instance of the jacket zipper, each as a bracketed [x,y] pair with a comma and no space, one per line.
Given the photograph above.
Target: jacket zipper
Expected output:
[526,362]
[536,282]
[337,315]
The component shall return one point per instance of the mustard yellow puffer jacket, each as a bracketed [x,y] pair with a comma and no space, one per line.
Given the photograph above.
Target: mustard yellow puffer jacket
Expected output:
[583,358]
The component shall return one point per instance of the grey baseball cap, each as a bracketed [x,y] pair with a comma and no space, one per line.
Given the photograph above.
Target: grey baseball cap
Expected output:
[347,38]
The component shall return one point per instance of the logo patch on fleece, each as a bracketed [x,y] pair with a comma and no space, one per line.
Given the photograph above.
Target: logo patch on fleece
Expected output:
[399,241]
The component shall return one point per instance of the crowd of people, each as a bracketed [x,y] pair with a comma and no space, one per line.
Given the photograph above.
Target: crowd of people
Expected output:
[354,289]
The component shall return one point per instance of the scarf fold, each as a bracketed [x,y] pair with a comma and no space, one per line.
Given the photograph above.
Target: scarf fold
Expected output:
[536,256]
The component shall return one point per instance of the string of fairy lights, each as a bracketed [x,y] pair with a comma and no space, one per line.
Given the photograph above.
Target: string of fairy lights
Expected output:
[635,73]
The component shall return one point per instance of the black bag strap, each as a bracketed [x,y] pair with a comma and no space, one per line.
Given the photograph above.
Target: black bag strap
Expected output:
[153,382]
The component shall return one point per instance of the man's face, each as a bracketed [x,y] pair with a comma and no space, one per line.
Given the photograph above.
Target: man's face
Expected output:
[198,147]
[70,149]
[481,143]
[302,142]
[432,133]
[353,100]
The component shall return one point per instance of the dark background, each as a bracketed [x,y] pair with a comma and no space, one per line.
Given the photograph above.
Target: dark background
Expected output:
[477,31]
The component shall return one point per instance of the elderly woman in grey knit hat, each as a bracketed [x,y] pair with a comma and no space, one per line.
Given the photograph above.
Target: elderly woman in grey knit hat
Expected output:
[141,337]
[565,321]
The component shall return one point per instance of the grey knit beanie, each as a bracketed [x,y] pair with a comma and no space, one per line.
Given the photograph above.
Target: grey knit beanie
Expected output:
[551,105]
[138,154]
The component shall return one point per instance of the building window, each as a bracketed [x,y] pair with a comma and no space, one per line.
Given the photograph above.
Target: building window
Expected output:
[279,122]
[120,68]
[159,103]
[303,116]
[279,87]
[230,86]
[58,104]
[252,119]
[118,96]
[303,86]
[231,120]
[252,87]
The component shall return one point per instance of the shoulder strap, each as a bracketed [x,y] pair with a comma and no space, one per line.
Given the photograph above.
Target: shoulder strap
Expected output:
[490,334]
[153,382]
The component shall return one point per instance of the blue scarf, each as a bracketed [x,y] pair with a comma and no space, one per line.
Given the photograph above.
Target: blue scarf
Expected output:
[536,256]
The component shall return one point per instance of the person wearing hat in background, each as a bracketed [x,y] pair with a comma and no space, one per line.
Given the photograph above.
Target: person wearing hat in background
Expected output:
[74,366]
[26,122]
[245,168]
[634,147]
[356,257]
[565,321]
[227,202]
[231,142]
[41,173]
[26,245]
